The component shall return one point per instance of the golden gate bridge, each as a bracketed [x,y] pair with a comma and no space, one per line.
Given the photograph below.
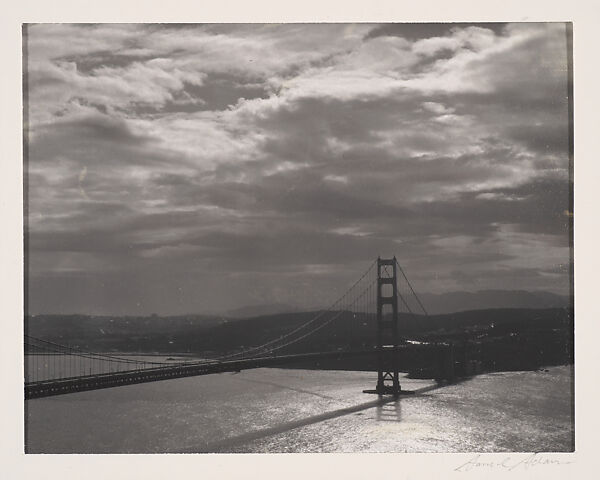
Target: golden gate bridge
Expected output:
[381,293]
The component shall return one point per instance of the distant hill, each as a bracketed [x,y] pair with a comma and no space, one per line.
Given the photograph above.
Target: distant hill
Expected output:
[501,339]
[257,310]
[437,304]
[126,334]
[360,331]
[484,299]
[197,334]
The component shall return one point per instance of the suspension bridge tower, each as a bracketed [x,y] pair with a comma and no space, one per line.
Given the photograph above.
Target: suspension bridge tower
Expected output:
[387,329]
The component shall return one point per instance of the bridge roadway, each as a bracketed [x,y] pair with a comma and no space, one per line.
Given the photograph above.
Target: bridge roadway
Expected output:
[48,388]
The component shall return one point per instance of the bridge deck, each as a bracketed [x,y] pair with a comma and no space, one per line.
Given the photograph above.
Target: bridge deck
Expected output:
[115,379]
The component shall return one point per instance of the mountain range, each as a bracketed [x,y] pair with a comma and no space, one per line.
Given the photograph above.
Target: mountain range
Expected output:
[435,304]
[460,301]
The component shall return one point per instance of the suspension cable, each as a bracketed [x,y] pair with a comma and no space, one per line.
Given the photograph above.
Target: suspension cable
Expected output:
[92,354]
[412,290]
[322,325]
[314,319]
[368,291]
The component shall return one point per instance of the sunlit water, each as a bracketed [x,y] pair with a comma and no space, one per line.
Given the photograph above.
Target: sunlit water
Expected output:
[279,410]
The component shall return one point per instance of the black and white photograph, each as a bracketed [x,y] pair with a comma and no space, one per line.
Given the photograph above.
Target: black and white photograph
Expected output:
[298,238]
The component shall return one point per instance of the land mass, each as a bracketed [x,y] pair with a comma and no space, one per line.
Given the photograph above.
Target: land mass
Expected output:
[500,339]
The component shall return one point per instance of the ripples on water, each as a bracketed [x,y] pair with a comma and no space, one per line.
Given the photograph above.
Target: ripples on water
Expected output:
[278,410]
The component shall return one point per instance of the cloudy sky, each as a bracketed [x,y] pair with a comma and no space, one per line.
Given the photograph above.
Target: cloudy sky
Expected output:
[200,168]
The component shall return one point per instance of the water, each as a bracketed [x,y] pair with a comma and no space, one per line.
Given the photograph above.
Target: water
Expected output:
[52,366]
[279,410]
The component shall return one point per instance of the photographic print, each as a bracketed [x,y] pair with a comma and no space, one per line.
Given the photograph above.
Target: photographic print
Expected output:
[298,238]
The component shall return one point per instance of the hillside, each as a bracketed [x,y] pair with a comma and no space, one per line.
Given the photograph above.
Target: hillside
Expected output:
[125,334]
[197,334]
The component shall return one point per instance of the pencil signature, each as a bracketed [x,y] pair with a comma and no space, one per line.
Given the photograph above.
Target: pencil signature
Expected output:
[510,463]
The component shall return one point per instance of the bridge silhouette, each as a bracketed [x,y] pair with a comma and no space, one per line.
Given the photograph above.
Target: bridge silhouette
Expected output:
[380,293]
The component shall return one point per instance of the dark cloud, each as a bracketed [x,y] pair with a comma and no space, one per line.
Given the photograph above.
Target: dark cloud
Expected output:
[87,64]
[220,91]
[84,138]
[541,139]
[418,31]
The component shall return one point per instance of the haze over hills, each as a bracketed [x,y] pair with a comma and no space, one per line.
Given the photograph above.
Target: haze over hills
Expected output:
[189,333]
[435,304]
[460,301]
[257,310]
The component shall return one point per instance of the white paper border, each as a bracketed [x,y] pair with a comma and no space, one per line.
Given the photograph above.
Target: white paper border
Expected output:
[15,464]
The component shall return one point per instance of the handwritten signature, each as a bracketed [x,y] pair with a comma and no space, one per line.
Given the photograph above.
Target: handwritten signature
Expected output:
[510,463]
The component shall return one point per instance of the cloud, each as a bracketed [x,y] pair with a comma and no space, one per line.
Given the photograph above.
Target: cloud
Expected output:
[181,161]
